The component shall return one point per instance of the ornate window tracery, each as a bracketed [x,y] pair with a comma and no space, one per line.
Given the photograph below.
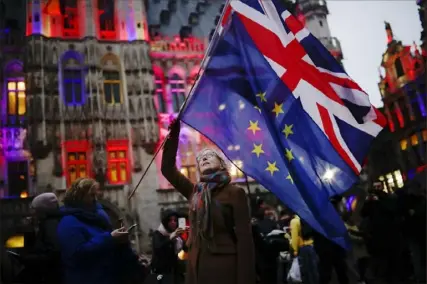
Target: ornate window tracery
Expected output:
[72,79]
[112,80]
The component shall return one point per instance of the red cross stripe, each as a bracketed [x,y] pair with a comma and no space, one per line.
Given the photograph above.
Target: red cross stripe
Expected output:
[291,57]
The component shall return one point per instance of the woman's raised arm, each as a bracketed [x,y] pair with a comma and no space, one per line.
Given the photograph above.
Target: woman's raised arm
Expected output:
[169,170]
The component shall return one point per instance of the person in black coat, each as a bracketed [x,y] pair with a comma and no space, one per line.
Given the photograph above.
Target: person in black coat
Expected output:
[167,243]
[42,261]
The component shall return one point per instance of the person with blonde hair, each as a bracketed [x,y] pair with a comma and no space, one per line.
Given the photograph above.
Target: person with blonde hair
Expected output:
[220,243]
[92,252]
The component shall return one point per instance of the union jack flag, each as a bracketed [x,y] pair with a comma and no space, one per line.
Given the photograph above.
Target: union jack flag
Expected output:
[309,71]
[274,100]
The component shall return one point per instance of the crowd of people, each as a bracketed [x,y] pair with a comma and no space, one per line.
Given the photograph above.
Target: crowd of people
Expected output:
[227,239]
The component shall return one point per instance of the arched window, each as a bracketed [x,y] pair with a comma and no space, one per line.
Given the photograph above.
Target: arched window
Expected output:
[71,19]
[107,21]
[187,157]
[159,80]
[112,83]
[72,79]
[15,90]
[177,90]
[399,68]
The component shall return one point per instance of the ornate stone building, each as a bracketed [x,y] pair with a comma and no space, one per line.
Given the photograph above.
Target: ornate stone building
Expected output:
[400,151]
[84,106]
[91,91]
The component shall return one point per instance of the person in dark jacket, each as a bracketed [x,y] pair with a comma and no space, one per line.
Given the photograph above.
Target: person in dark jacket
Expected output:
[42,262]
[331,255]
[92,252]
[167,243]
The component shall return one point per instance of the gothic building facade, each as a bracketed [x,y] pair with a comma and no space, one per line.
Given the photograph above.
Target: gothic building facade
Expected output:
[91,88]
[400,152]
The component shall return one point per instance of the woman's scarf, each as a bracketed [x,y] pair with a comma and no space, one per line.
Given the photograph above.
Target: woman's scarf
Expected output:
[200,207]
[179,243]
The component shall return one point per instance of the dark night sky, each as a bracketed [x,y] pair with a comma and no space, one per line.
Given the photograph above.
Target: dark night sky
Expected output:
[15,12]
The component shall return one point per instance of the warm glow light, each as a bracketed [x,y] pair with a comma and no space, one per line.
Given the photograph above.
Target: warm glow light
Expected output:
[234,170]
[414,140]
[15,242]
[403,144]
[399,178]
[182,255]
[24,194]
[390,181]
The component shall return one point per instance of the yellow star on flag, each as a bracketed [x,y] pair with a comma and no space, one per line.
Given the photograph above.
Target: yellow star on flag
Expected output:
[261,96]
[258,150]
[254,126]
[290,178]
[289,154]
[278,109]
[288,130]
[257,108]
[272,168]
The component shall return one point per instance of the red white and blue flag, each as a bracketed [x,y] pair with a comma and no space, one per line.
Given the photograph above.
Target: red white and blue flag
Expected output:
[295,121]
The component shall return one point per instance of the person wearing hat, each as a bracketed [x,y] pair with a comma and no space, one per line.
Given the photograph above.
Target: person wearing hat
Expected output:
[43,261]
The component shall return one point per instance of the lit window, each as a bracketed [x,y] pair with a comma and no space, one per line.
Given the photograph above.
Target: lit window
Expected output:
[118,162]
[399,178]
[424,134]
[17,241]
[112,92]
[177,85]
[234,170]
[71,19]
[73,91]
[77,160]
[404,144]
[414,140]
[72,79]
[187,159]
[399,68]
[16,103]
[107,24]
[161,104]
[390,181]
[77,165]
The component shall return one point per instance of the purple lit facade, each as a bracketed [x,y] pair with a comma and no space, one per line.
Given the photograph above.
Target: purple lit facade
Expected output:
[14,157]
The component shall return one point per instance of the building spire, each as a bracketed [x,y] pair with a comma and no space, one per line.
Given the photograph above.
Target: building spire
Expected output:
[389,31]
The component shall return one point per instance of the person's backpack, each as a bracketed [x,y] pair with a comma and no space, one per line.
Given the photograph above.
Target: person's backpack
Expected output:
[306,231]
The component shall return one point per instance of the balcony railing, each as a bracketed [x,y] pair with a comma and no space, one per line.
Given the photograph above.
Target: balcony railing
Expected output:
[187,45]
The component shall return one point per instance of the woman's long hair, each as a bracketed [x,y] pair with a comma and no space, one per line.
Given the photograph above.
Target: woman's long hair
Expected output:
[82,187]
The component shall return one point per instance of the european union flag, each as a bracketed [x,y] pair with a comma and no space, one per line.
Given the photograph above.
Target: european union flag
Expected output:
[265,89]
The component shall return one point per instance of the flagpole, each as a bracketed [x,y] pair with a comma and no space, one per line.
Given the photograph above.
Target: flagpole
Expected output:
[205,59]
[204,62]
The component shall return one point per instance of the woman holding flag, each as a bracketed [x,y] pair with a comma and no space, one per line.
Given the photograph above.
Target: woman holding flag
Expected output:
[220,242]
